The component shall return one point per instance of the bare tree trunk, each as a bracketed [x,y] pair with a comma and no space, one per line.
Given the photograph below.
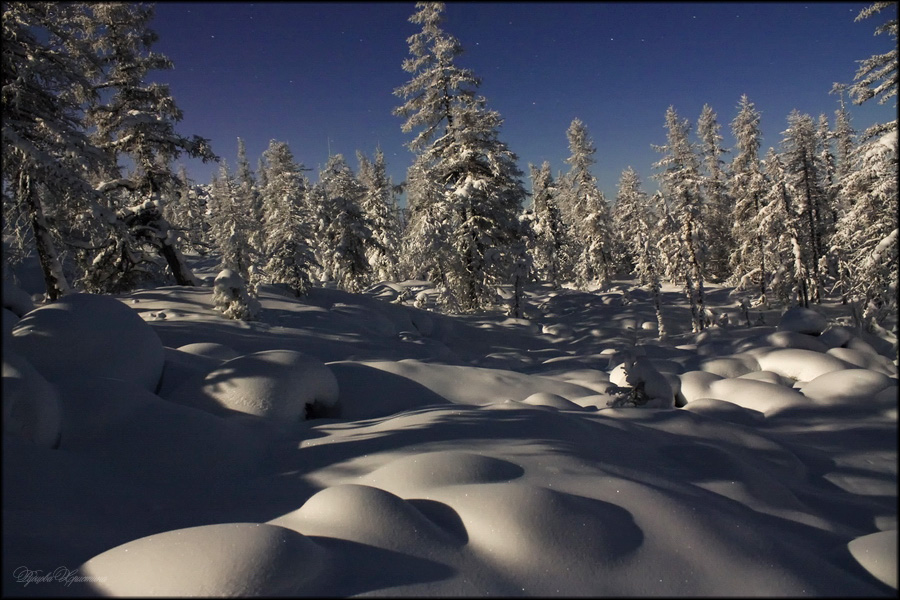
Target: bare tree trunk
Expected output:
[54,278]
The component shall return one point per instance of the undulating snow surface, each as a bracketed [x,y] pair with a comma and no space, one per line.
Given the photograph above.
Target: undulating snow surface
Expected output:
[347,445]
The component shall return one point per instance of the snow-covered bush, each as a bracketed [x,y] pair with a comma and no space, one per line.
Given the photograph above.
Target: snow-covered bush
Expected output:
[231,297]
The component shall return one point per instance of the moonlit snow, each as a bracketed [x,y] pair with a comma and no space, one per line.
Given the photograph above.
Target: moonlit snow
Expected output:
[352,444]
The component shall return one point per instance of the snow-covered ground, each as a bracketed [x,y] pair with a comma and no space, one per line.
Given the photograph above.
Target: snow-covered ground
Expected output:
[350,445]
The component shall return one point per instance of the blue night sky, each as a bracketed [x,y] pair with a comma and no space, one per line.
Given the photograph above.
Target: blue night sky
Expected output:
[322,74]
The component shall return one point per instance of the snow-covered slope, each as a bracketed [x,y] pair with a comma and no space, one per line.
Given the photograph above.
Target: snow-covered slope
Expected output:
[347,444]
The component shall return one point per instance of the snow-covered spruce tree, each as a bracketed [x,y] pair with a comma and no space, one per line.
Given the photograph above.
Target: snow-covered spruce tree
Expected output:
[718,203]
[464,188]
[288,219]
[248,191]
[844,138]
[379,208]
[230,224]
[748,187]
[187,212]
[346,236]
[865,240]
[866,237]
[673,260]
[636,221]
[134,119]
[550,250]
[680,181]
[589,211]
[801,163]
[779,225]
[47,157]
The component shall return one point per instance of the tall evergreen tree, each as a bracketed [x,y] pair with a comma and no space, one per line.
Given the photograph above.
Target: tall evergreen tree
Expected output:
[379,208]
[866,238]
[248,190]
[186,212]
[48,68]
[629,213]
[463,175]
[781,226]
[550,250]
[637,222]
[844,137]
[717,202]
[802,165]
[680,180]
[637,219]
[748,188]
[288,219]
[230,224]
[346,238]
[588,210]
[137,121]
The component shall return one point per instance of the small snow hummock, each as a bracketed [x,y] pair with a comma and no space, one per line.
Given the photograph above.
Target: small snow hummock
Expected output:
[228,559]
[283,385]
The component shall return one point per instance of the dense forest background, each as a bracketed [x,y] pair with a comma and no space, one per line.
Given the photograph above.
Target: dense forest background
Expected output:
[91,188]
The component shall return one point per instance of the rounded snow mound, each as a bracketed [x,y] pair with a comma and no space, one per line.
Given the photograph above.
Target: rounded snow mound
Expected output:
[725,411]
[793,339]
[31,409]
[796,363]
[560,330]
[877,553]
[695,385]
[803,320]
[756,395]
[523,526]
[16,300]
[229,559]
[84,336]
[283,385]
[551,400]
[220,352]
[9,322]
[435,469]
[730,366]
[366,515]
[865,360]
[848,385]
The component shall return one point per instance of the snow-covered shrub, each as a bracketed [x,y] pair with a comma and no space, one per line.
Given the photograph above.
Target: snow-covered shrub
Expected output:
[84,336]
[649,387]
[231,297]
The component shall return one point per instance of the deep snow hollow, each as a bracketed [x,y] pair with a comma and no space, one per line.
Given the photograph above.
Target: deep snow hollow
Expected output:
[153,447]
